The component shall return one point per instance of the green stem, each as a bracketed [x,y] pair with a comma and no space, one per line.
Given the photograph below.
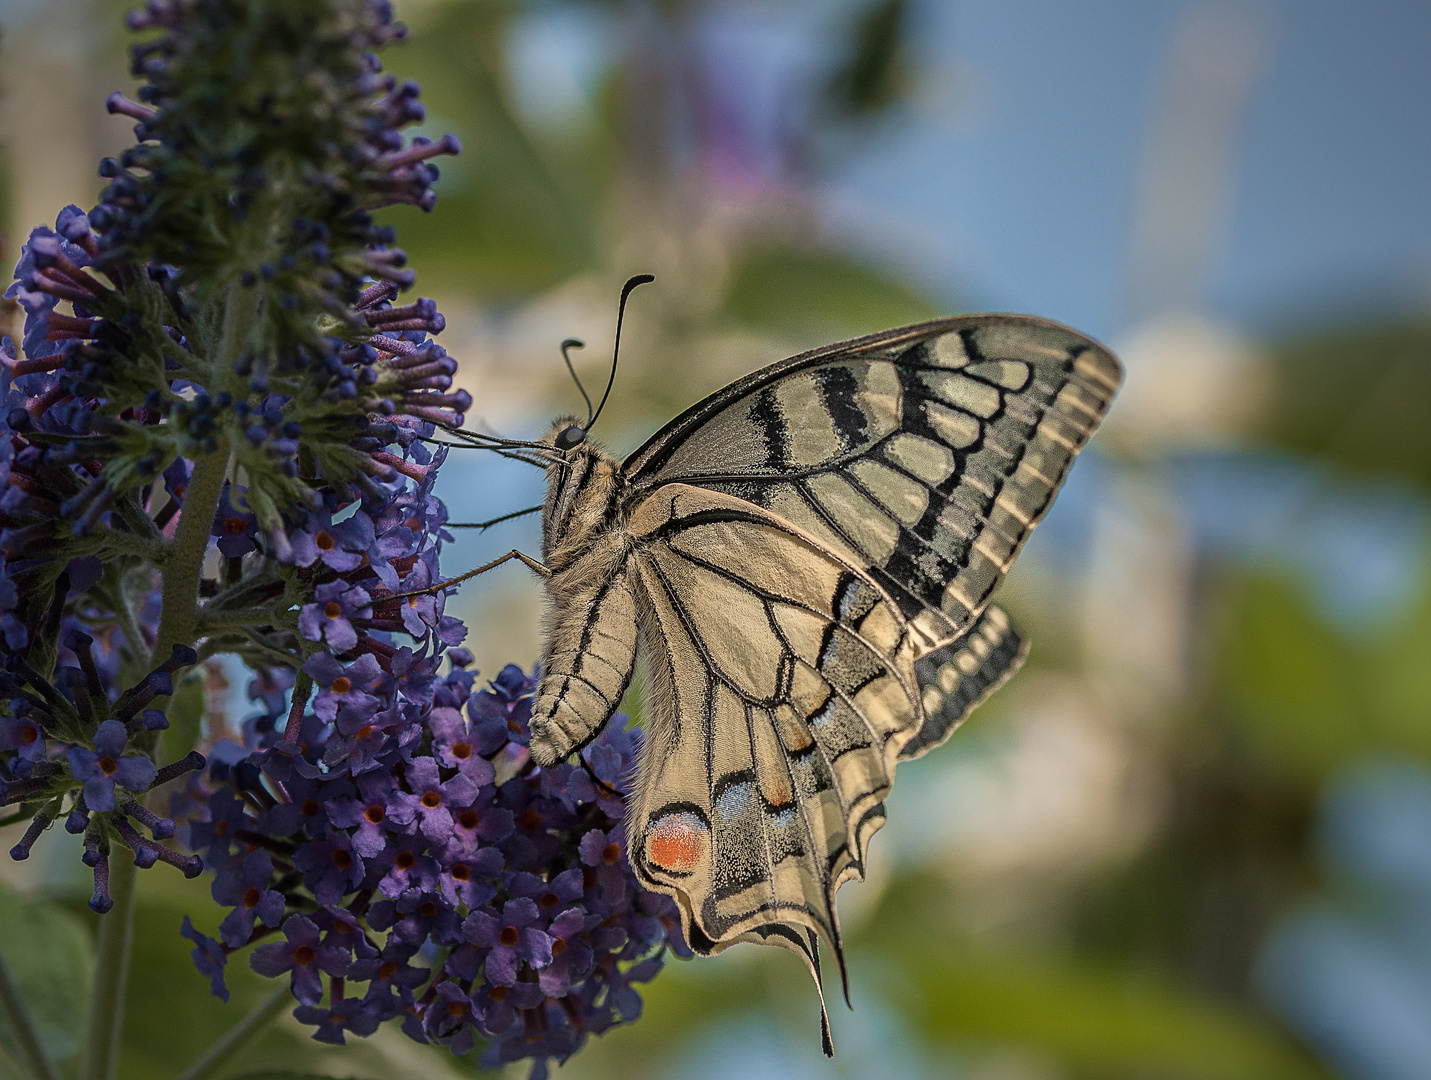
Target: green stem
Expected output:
[9,1066]
[182,569]
[238,1038]
[271,614]
[111,973]
[27,1039]
[105,540]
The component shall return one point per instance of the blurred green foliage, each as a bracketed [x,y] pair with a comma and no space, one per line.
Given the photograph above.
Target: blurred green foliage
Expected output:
[515,216]
[1359,396]
[790,291]
[50,955]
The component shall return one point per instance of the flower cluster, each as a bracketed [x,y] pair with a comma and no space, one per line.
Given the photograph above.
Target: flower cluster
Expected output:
[185,395]
[217,438]
[398,837]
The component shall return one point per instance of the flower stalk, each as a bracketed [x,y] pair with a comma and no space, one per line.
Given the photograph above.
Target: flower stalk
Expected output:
[99,1059]
[239,1037]
[36,1062]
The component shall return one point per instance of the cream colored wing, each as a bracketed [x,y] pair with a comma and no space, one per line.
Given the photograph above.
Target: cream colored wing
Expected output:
[784,690]
[925,454]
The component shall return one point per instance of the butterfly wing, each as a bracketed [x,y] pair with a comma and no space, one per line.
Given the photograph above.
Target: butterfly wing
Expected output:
[784,690]
[814,548]
[927,454]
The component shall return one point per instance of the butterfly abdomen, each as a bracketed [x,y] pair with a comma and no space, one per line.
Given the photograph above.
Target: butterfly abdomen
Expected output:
[591,622]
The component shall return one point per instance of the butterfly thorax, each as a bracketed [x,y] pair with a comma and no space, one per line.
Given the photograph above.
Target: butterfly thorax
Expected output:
[584,490]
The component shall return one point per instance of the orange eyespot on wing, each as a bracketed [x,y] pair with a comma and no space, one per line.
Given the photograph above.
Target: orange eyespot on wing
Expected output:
[676,842]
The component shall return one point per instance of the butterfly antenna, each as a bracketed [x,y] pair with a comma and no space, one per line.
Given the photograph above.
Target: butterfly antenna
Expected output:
[626,290]
[574,343]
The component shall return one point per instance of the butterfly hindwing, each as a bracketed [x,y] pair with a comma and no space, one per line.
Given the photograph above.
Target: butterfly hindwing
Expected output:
[784,690]
[954,679]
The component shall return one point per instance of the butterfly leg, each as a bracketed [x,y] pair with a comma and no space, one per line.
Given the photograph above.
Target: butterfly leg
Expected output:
[536,567]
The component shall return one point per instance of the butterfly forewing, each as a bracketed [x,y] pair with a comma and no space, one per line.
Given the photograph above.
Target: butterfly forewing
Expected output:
[809,556]
[929,453]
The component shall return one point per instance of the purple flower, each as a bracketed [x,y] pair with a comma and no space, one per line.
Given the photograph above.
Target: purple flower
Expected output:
[343,686]
[468,872]
[366,735]
[339,547]
[455,747]
[571,956]
[358,1015]
[331,866]
[372,815]
[426,912]
[606,852]
[511,937]
[211,836]
[234,526]
[271,686]
[22,736]
[388,974]
[104,766]
[408,868]
[329,617]
[247,891]
[449,1019]
[176,480]
[304,956]
[209,958]
[433,800]
[342,930]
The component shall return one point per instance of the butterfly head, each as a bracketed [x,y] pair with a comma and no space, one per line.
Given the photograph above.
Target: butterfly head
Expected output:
[569,437]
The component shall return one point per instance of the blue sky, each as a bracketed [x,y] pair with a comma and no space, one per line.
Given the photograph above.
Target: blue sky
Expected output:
[1024,183]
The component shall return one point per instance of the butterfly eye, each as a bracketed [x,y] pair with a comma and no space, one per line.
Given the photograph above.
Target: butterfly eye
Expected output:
[570,437]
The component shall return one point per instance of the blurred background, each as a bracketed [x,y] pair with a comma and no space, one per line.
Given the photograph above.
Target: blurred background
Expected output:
[1193,837]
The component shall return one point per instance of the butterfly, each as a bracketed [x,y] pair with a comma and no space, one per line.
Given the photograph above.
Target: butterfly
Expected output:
[806,559]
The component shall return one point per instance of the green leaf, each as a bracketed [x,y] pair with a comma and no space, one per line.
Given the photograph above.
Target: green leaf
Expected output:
[51,954]
[811,291]
[875,73]
[508,222]
[185,714]
[1357,396]
[1309,698]
[1102,1021]
[284,1075]
[1289,682]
